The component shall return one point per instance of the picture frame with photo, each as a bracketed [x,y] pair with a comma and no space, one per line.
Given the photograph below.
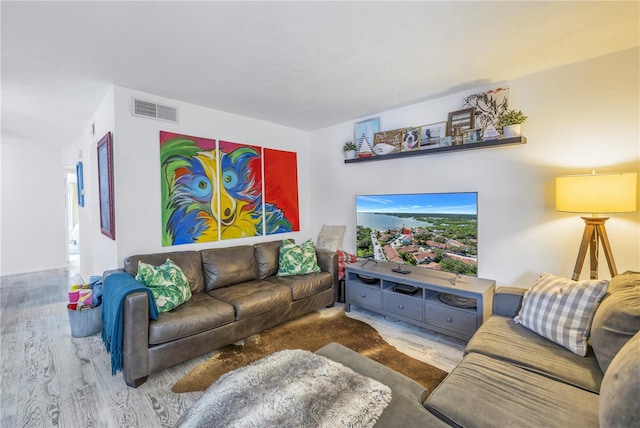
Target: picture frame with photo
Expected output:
[461,119]
[410,140]
[433,135]
[472,136]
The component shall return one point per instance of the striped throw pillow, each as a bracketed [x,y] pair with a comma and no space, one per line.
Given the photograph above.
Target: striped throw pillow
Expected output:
[562,310]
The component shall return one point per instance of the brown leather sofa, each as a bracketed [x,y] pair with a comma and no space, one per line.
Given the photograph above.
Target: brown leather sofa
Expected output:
[235,293]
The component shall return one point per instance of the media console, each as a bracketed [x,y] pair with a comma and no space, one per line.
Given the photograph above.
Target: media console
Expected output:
[377,288]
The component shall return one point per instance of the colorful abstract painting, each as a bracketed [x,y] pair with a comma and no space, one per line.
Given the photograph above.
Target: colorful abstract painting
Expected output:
[241,190]
[189,171]
[281,192]
[213,190]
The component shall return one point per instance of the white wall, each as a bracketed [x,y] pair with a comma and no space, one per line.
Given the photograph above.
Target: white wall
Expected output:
[581,116]
[137,168]
[33,223]
[97,252]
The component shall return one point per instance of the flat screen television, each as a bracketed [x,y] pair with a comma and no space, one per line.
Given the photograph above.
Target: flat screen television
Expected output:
[428,230]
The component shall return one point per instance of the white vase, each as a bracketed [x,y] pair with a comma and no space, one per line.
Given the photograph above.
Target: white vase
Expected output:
[511,131]
[351,154]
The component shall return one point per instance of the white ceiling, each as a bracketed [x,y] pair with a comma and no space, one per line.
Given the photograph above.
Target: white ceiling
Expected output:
[305,65]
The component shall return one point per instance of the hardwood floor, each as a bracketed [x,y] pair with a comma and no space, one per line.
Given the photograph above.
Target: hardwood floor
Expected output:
[51,379]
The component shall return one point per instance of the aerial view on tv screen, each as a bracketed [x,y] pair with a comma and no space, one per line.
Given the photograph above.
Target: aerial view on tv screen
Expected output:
[429,230]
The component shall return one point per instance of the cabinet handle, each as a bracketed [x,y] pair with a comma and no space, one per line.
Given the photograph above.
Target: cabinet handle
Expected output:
[401,306]
[449,320]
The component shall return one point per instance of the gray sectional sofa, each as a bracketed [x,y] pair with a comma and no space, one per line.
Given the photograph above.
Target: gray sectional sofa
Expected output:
[510,376]
[235,293]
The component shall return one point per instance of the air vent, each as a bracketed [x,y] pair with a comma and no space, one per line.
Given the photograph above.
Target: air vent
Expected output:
[155,111]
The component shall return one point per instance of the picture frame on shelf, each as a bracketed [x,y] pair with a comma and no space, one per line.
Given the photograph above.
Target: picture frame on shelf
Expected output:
[410,140]
[489,105]
[363,135]
[105,186]
[461,119]
[472,136]
[388,142]
[433,135]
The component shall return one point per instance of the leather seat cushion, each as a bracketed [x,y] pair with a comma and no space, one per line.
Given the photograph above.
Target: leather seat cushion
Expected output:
[228,266]
[253,297]
[501,338]
[200,313]
[304,285]
[267,256]
[190,263]
[484,392]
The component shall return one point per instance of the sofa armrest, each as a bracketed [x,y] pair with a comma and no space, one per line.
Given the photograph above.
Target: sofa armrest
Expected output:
[135,339]
[106,273]
[328,262]
[507,301]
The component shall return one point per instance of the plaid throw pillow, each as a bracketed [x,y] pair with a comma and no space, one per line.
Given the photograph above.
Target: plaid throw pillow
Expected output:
[343,259]
[562,310]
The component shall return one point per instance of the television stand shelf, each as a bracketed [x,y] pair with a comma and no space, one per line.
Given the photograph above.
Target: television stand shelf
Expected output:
[372,287]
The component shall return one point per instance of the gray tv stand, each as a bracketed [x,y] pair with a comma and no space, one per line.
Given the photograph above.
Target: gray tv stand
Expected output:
[372,287]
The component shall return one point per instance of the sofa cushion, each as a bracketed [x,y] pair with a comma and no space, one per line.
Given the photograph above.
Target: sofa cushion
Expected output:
[617,319]
[297,259]
[253,297]
[619,404]
[267,255]
[501,338]
[485,392]
[561,310]
[227,266]
[304,285]
[167,282]
[189,261]
[624,281]
[200,313]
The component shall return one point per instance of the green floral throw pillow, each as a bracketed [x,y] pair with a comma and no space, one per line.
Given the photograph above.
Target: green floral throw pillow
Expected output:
[297,260]
[167,282]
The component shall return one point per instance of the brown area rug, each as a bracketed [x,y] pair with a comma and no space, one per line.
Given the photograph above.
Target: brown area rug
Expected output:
[310,332]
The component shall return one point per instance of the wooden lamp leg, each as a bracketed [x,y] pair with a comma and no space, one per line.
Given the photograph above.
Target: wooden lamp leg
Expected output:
[594,232]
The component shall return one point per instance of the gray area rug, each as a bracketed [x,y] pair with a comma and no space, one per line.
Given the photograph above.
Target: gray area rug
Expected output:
[291,388]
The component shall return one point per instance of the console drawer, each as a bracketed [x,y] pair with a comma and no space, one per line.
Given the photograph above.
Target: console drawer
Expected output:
[450,318]
[404,306]
[360,294]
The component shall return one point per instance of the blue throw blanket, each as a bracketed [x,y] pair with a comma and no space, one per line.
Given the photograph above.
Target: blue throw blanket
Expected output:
[116,288]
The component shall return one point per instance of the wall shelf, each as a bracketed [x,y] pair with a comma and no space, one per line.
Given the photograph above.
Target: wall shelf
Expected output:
[485,144]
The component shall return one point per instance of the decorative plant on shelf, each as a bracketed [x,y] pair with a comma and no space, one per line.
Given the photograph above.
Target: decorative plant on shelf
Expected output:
[511,117]
[511,122]
[349,149]
[348,146]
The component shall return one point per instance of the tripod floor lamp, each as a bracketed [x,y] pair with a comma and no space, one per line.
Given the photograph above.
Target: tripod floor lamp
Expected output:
[596,194]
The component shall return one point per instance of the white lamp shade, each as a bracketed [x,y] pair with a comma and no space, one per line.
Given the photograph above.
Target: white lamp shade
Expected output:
[601,193]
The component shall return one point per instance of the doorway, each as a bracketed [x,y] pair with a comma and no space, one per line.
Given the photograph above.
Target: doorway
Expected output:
[73,219]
